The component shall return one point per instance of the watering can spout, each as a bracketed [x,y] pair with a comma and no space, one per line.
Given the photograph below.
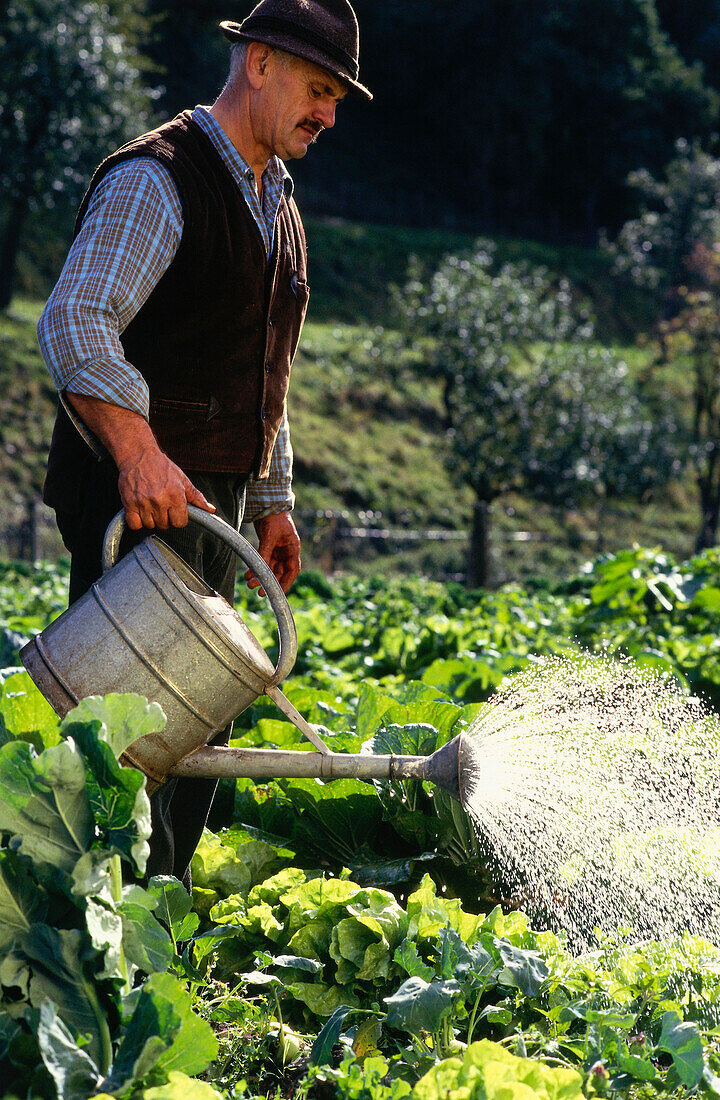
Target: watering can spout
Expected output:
[443,768]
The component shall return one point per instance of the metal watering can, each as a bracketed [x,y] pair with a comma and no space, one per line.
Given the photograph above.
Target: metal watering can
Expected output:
[151,625]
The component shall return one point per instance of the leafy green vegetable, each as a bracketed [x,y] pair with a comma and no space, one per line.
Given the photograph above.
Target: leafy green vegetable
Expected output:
[123,718]
[45,807]
[489,1071]
[421,1006]
[74,1072]
[682,1042]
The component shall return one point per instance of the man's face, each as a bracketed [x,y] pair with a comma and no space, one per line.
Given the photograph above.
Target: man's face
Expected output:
[298,101]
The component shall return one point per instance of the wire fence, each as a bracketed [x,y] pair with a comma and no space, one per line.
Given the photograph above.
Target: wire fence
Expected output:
[331,537]
[28,532]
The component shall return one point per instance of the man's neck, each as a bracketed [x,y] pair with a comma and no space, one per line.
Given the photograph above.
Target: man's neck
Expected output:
[236,123]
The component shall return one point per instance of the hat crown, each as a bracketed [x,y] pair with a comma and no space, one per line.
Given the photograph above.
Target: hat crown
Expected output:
[329,24]
[322,31]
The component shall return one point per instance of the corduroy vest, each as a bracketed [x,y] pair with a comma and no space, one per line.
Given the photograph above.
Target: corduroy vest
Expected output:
[216,338]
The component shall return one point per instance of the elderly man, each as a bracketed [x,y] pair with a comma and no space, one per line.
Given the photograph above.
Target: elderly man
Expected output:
[171,332]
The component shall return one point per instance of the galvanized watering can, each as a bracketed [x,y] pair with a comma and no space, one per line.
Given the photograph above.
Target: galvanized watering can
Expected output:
[150,625]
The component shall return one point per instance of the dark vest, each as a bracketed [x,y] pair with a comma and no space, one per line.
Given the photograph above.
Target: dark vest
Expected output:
[216,338]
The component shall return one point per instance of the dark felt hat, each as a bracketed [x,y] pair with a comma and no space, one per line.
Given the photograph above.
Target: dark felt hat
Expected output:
[322,31]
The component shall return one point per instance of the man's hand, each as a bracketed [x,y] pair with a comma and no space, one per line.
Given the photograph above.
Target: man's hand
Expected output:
[279,547]
[154,491]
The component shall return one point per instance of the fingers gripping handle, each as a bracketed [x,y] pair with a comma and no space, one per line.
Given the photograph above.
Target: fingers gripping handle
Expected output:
[287,635]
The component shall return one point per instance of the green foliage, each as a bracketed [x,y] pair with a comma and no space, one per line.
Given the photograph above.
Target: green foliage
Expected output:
[488,1070]
[287,959]
[678,214]
[72,936]
[70,86]
[626,1015]
[530,402]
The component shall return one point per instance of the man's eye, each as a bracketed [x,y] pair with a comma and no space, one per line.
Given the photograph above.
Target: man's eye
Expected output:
[315,93]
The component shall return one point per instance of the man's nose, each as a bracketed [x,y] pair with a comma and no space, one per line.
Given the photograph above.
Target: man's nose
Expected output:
[325,113]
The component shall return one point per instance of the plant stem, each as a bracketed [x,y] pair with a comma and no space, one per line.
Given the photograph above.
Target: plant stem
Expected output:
[473,1014]
[116,891]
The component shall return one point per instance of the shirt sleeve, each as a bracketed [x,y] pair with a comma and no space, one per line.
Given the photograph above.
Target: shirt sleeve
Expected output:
[128,239]
[265,496]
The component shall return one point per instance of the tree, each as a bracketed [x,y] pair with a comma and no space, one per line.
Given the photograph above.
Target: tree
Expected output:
[531,403]
[671,247]
[677,214]
[70,89]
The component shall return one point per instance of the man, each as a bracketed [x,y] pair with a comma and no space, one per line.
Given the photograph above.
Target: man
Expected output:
[171,332]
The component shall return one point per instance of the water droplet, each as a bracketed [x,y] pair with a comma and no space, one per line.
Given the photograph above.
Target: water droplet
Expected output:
[592,785]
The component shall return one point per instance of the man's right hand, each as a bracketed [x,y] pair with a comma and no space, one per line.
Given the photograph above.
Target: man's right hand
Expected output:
[154,490]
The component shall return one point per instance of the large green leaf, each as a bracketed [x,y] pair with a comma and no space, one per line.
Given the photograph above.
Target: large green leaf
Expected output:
[194,1045]
[117,795]
[420,1006]
[147,945]
[181,1087]
[406,956]
[524,969]
[427,914]
[163,1034]
[216,866]
[151,1030]
[22,901]
[123,718]
[321,1053]
[681,1040]
[61,965]
[335,818]
[173,906]
[45,804]
[488,1070]
[373,705]
[322,999]
[75,1074]
[26,714]
[349,943]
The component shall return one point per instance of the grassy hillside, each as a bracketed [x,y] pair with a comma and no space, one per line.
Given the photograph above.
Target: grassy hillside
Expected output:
[367,447]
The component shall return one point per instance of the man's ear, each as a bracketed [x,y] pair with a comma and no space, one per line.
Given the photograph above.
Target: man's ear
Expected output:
[258,55]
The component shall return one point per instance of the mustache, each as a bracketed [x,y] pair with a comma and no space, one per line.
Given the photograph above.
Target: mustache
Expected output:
[311,124]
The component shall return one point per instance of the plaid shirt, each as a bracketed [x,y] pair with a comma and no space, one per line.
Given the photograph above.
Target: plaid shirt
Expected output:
[129,237]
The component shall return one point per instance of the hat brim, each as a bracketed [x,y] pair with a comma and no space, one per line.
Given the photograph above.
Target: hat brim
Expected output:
[298,49]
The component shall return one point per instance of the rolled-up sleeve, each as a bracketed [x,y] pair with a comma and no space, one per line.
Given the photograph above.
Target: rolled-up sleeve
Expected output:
[265,496]
[128,239]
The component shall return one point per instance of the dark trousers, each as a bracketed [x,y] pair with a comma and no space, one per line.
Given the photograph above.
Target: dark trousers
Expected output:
[180,807]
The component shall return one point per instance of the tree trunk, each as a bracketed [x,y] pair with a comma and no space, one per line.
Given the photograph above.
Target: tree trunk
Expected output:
[708,476]
[710,512]
[9,245]
[478,568]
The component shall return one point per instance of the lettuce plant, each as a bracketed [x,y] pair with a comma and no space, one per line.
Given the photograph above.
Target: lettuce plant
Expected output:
[77,931]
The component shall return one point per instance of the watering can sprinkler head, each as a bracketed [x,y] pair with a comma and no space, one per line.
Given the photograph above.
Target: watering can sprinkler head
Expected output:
[443,767]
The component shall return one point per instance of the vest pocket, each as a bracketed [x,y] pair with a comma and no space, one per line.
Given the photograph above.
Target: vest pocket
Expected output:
[188,410]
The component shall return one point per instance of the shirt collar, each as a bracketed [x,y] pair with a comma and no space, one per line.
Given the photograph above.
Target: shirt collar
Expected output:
[275,172]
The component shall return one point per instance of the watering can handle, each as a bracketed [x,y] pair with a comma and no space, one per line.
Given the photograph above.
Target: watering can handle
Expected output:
[287,635]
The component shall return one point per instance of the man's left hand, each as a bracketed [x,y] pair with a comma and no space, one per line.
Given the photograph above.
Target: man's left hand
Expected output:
[279,547]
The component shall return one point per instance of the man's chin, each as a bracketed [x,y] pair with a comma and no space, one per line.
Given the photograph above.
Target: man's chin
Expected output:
[296,150]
